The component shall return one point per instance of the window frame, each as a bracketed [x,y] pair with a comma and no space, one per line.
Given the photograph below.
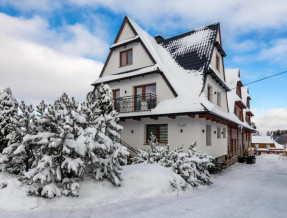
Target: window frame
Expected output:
[115,96]
[208,135]
[217,63]
[127,57]
[219,99]
[209,93]
[224,132]
[218,130]
[157,135]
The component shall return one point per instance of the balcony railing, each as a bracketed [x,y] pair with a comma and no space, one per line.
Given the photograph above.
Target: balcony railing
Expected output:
[135,103]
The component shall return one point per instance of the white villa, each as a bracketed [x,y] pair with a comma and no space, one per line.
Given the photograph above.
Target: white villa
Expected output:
[176,88]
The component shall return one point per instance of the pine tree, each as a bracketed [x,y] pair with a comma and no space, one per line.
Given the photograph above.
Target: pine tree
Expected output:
[18,155]
[203,162]
[8,111]
[105,155]
[60,159]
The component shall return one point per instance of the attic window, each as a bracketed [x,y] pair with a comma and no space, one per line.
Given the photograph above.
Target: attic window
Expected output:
[126,57]
[217,63]
[209,93]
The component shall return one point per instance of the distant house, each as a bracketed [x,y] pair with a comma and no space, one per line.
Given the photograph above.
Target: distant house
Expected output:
[239,106]
[176,88]
[266,144]
[281,139]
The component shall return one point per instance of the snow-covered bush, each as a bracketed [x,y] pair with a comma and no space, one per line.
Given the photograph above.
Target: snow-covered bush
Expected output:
[152,155]
[60,156]
[18,156]
[8,110]
[192,166]
[54,147]
[3,184]
[203,162]
[105,154]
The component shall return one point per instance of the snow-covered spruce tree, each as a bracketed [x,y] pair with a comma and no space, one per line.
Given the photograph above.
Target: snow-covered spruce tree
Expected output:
[105,154]
[60,160]
[152,155]
[192,166]
[18,156]
[181,164]
[8,110]
[203,162]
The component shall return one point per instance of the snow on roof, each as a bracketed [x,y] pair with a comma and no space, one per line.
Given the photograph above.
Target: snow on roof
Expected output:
[232,77]
[183,60]
[114,77]
[266,140]
[193,50]
[262,139]
[124,42]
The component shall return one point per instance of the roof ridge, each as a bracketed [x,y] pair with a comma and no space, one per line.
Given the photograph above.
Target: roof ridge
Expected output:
[192,31]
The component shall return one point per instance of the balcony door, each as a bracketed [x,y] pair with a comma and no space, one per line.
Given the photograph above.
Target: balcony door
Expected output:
[116,96]
[145,97]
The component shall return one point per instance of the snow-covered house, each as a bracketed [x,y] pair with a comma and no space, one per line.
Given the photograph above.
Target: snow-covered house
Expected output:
[239,106]
[174,88]
[266,144]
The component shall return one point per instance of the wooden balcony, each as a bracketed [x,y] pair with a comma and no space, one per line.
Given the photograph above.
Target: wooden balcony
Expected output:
[135,103]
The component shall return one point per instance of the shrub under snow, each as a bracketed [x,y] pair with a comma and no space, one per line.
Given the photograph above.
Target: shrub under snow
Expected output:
[56,147]
[192,166]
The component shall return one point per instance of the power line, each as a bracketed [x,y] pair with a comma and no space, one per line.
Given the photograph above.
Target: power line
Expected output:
[264,78]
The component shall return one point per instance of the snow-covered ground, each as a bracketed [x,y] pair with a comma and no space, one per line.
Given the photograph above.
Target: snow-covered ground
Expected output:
[241,191]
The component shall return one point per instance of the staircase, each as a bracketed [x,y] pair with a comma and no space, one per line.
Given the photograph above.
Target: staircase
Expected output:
[133,151]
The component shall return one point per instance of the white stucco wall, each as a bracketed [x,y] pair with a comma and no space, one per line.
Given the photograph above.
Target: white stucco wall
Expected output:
[140,59]
[126,87]
[192,130]
[213,60]
[126,33]
[216,88]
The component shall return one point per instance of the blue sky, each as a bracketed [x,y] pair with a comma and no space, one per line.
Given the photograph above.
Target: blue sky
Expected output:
[51,46]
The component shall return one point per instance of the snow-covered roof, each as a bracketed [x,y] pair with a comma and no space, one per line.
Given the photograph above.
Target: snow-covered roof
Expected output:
[193,50]
[262,139]
[184,60]
[114,77]
[124,42]
[266,140]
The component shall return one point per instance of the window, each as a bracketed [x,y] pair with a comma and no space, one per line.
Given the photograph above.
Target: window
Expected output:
[218,63]
[224,133]
[158,130]
[116,95]
[219,99]
[126,57]
[209,93]
[218,132]
[208,135]
[238,90]
[145,97]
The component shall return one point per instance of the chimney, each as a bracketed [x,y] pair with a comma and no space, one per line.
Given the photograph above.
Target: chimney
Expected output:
[159,38]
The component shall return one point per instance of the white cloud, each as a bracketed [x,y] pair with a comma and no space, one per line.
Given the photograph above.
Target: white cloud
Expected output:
[83,43]
[33,70]
[277,51]
[70,39]
[240,16]
[271,120]
[28,5]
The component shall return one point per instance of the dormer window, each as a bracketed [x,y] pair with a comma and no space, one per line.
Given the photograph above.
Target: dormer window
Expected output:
[126,57]
[218,63]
